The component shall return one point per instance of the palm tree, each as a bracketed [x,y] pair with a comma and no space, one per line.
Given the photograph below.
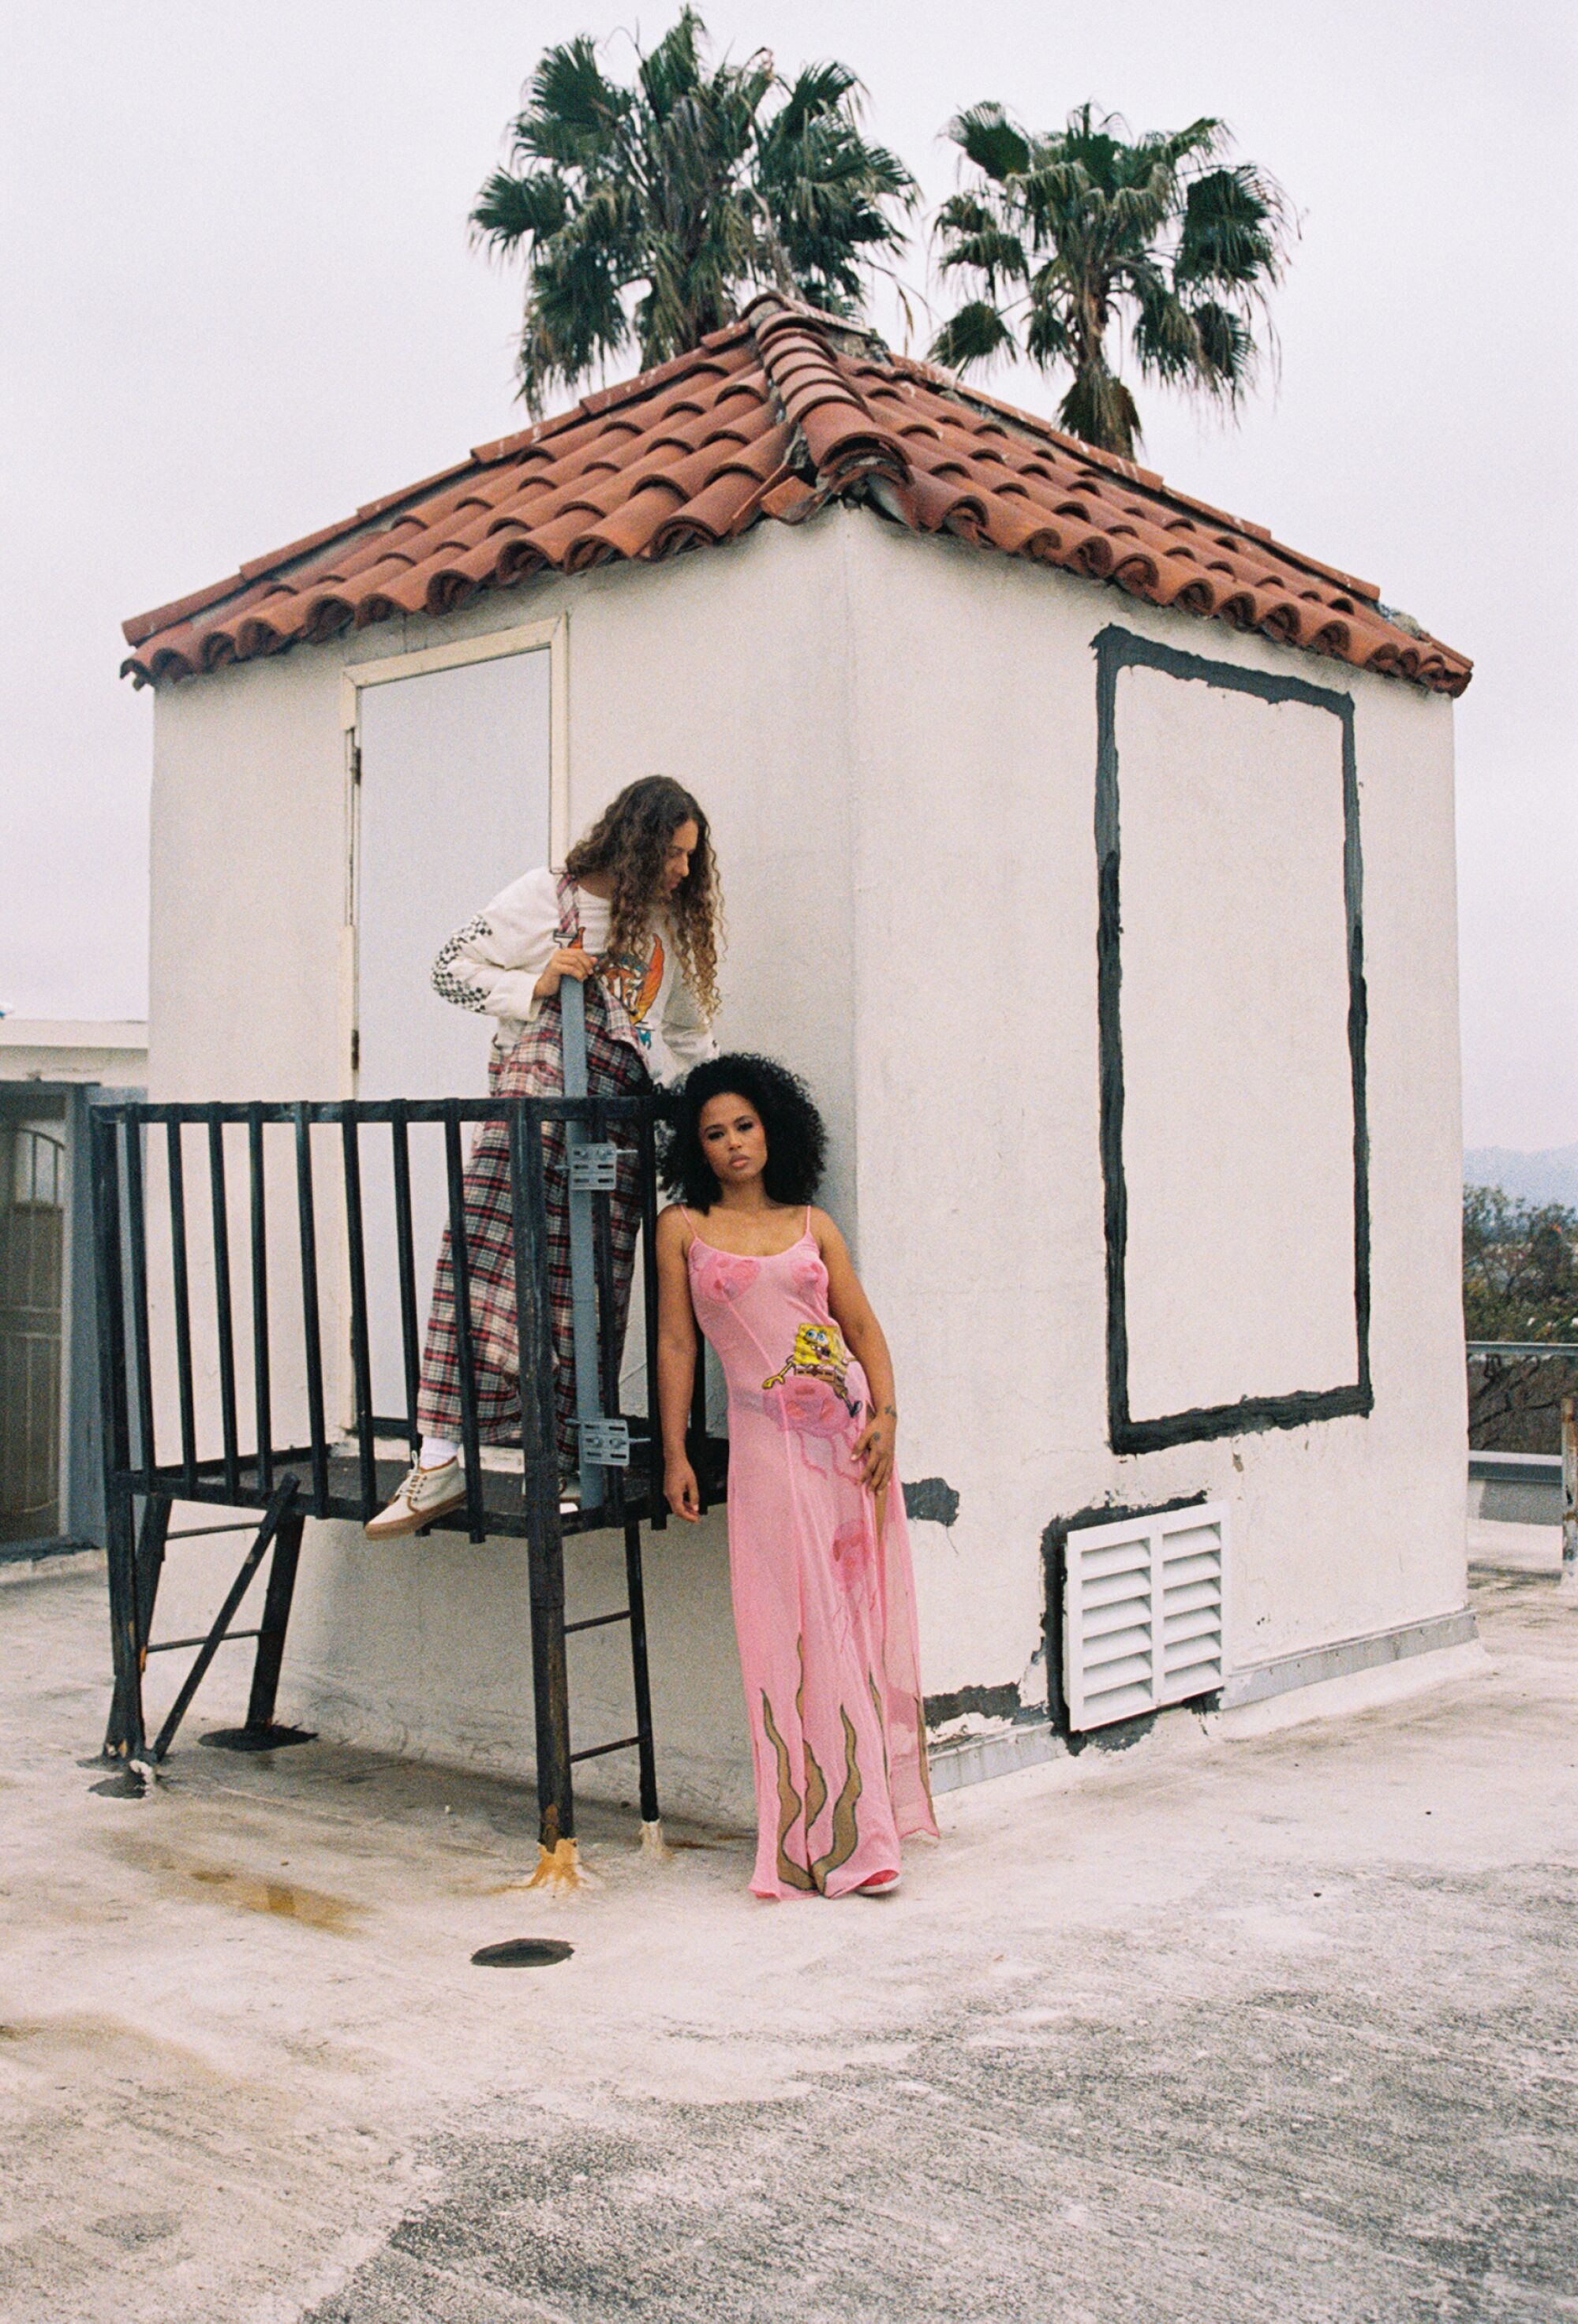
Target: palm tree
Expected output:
[1064,235]
[646,213]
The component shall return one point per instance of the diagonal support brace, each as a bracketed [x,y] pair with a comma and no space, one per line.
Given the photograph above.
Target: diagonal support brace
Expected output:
[276,1511]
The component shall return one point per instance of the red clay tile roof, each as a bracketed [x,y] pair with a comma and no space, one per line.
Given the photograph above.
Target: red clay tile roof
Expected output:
[774,417]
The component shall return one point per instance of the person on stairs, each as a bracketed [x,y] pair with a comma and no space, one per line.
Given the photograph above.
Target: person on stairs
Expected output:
[634,916]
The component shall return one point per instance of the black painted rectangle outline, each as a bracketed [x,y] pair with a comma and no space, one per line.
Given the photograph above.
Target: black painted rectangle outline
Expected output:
[1117,650]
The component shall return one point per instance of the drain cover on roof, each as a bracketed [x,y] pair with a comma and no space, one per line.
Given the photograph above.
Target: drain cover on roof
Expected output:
[523,1953]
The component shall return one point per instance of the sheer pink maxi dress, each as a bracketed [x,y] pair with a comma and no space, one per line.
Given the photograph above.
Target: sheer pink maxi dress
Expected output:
[825,1611]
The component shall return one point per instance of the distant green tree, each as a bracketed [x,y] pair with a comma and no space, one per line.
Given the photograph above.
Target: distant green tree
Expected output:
[1519,1283]
[647,213]
[1519,1273]
[1066,237]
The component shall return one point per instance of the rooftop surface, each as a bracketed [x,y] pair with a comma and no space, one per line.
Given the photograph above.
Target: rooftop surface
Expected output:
[771,420]
[1271,2027]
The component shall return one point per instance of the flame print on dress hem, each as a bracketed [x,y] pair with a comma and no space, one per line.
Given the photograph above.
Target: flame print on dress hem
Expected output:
[845,1836]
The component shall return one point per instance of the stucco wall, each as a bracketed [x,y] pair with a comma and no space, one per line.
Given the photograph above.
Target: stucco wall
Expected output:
[896,740]
[726,670]
[976,750]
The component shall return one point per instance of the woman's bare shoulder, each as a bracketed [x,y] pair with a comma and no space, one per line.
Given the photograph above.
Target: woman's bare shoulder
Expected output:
[673,1226]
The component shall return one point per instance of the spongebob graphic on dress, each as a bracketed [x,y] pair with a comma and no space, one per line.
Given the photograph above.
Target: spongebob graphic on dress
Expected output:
[819,1353]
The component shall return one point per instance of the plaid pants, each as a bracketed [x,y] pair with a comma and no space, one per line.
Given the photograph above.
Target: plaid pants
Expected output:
[534,1068]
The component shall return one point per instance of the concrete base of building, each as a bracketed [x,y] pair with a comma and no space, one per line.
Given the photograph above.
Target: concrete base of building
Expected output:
[1349,1674]
[1515,1488]
[31,1561]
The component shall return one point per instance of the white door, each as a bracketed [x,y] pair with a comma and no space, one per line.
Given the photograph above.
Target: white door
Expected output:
[454,803]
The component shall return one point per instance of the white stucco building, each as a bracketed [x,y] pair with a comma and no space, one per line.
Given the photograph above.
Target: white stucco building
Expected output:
[1091,854]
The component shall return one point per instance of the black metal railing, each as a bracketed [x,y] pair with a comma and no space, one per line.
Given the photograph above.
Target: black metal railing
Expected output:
[1517,1388]
[227,1341]
[1523,1401]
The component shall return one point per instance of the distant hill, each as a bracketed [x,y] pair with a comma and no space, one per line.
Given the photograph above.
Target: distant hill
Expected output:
[1548,1177]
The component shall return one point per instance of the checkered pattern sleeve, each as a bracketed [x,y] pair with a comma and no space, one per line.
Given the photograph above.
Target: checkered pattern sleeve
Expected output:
[492,964]
[451,980]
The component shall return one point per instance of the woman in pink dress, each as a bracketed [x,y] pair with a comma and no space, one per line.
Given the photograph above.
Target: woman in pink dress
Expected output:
[818,1548]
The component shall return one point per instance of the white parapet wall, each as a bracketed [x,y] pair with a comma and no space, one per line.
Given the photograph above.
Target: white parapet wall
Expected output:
[74,1049]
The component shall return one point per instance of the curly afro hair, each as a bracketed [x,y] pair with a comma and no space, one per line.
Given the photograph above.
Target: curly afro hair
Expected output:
[796,1140]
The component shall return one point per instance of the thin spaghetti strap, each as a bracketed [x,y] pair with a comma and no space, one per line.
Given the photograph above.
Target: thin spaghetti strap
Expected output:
[807,1228]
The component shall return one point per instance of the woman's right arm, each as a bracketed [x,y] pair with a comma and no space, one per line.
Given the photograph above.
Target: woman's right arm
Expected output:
[508,959]
[676,1364]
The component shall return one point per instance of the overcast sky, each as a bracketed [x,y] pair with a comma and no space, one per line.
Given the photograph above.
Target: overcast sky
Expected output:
[239,300]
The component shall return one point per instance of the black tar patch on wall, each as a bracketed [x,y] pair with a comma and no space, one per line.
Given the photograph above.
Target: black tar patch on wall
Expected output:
[933,1498]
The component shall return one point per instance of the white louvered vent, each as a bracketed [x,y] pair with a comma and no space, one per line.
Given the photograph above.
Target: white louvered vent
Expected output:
[1143,1613]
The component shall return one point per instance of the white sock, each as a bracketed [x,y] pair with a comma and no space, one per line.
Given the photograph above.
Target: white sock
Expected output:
[436,1451]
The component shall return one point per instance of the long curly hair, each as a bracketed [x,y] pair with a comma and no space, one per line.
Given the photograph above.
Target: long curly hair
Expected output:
[796,1136]
[630,843]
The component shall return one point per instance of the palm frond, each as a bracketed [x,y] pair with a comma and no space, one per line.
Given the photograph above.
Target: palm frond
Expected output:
[825,197]
[575,318]
[1165,335]
[672,70]
[1058,193]
[974,335]
[1137,214]
[1234,230]
[573,110]
[965,213]
[815,91]
[1227,350]
[511,210]
[991,252]
[1198,142]
[986,137]
[1049,339]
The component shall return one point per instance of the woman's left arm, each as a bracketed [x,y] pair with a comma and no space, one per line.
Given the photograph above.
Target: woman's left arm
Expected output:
[686,1031]
[864,1336]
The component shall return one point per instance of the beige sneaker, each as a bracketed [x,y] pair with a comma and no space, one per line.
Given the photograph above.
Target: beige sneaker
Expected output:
[426,1494]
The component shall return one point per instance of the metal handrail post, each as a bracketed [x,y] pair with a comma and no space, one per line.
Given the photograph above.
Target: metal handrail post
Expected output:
[583,1248]
[125,1738]
[1570,1489]
[539,1487]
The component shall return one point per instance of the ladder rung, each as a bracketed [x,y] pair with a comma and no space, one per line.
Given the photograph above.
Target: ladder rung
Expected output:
[168,1645]
[190,1533]
[596,1621]
[625,1743]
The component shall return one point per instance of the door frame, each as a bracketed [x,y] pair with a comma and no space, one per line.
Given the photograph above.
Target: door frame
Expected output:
[550,636]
